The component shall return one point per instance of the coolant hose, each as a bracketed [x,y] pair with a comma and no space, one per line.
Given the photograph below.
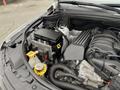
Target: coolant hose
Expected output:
[64,85]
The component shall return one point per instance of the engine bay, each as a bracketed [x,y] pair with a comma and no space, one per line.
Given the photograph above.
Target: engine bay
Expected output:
[75,55]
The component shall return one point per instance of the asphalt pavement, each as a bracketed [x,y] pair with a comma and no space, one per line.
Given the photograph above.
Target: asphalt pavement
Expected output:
[16,14]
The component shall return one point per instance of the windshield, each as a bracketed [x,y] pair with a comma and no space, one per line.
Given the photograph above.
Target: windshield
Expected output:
[98,1]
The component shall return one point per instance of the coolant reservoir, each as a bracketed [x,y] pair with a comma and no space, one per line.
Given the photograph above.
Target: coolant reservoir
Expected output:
[40,69]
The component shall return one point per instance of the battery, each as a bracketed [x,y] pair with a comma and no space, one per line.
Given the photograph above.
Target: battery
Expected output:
[47,35]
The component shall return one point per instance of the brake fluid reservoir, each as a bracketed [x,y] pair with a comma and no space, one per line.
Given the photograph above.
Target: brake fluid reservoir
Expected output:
[33,59]
[40,69]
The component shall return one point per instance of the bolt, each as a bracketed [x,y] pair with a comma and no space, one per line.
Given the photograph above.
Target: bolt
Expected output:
[34,87]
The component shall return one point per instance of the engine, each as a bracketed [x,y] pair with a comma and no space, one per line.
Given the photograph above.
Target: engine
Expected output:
[88,61]
[103,45]
[103,50]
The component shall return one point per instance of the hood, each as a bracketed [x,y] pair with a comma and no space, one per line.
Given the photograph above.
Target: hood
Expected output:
[97,1]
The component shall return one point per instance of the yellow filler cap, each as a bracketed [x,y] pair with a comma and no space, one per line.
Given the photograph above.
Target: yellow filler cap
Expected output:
[32,54]
[40,69]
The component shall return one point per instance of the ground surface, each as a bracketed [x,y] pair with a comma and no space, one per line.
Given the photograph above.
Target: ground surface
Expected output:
[14,15]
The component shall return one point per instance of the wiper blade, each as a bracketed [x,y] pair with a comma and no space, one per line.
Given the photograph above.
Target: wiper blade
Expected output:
[113,5]
[92,4]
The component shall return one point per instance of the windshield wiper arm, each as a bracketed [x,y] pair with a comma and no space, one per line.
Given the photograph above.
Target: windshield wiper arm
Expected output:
[113,5]
[92,4]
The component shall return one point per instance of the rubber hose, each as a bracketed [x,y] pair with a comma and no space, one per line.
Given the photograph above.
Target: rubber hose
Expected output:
[105,65]
[63,85]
